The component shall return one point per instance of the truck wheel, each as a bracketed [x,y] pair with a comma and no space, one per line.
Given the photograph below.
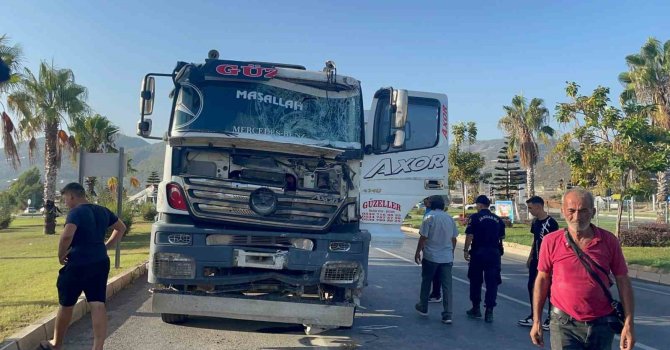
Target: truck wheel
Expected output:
[174,318]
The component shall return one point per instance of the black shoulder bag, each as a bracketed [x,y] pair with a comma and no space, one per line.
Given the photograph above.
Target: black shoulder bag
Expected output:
[618,316]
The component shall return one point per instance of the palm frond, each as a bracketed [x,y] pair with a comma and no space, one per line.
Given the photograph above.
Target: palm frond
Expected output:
[635,60]
[651,49]
[8,132]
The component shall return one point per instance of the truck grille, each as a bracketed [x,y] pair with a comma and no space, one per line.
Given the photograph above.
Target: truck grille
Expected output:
[340,272]
[217,239]
[228,200]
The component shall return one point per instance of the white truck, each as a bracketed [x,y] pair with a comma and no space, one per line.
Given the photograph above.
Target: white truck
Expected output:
[274,184]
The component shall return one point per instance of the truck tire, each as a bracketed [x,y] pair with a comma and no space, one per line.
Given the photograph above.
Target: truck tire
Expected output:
[174,318]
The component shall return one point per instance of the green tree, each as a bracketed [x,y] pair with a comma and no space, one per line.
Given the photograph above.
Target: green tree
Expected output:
[153,178]
[12,56]
[42,103]
[464,167]
[523,124]
[94,134]
[28,186]
[647,81]
[615,147]
[508,177]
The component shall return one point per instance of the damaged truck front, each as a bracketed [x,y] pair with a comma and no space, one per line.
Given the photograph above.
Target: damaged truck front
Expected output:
[259,206]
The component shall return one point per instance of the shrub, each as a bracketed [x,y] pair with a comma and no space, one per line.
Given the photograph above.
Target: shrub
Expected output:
[6,206]
[5,219]
[463,220]
[148,211]
[126,215]
[646,235]
[507,222]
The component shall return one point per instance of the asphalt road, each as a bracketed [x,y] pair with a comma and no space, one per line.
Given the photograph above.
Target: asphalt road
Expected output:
[386,320]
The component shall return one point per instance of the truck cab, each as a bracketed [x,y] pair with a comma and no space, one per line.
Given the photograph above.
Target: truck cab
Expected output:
[270,193]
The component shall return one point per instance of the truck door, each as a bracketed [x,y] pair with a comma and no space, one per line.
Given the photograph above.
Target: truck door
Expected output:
[407,134]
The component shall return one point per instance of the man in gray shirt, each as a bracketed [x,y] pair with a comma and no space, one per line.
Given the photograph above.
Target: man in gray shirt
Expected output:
[437,243]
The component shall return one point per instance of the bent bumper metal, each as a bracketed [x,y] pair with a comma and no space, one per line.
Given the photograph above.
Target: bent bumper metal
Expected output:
[257,308]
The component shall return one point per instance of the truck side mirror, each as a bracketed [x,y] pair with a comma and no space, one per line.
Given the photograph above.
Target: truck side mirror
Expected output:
[144,128]
[399,108]
[399,139]
[399,116]
[147,96]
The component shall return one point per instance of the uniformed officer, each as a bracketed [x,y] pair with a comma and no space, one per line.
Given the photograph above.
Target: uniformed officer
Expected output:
[483,248]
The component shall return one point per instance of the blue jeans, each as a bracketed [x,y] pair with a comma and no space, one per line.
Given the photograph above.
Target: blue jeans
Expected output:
[568,333]
[429,270]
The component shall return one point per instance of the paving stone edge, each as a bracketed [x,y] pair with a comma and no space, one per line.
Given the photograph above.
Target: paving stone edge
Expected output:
[644,273]
[30,336]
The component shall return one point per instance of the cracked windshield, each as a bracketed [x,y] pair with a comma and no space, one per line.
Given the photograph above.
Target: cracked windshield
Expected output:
[315,116]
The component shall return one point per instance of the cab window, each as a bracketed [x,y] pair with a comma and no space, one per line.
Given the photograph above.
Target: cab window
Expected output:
[421,129]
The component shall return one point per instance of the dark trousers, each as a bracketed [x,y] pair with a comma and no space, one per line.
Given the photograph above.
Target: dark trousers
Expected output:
[568,334]
[437,287]
[532,275]
[429,270]
[484,267]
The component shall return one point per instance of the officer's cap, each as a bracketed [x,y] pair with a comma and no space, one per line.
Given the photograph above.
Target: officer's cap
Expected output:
[483,200]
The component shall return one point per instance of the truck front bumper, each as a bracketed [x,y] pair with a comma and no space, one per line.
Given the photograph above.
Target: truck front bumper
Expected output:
[257,308]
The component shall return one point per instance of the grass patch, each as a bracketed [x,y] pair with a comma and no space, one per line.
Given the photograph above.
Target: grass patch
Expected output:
[520,233]
[30,266]
[648,256]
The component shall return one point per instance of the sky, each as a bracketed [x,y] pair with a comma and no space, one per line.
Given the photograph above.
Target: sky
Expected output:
[479,53]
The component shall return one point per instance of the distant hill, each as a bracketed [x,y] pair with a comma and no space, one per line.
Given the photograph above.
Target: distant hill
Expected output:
[547,173]
[148,157]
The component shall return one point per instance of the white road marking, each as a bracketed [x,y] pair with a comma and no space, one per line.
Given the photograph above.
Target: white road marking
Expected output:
[504,296]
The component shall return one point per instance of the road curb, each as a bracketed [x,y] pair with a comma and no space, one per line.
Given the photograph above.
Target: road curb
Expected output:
[639,272]
[29,337]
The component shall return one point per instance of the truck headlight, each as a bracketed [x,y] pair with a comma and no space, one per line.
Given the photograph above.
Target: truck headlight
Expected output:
[302,243]
[173,265]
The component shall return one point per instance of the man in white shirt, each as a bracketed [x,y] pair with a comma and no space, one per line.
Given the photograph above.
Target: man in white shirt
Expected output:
[437,243]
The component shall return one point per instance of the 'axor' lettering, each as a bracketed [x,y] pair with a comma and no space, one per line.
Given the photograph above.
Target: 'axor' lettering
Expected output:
[386,167]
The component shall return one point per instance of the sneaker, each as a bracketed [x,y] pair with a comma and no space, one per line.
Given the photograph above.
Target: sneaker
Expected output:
[545,325]
[488,315]
[446,319]
[423,311]
[435,300]
[474,312]
[526,322]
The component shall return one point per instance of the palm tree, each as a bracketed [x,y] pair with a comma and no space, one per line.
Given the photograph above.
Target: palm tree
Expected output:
[524,123]
[42,103]
[11,55]
[94,134]
[648,82]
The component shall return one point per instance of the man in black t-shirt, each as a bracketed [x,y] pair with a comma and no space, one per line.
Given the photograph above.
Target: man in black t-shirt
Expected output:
[542,225]
[83,252]
[485,231]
